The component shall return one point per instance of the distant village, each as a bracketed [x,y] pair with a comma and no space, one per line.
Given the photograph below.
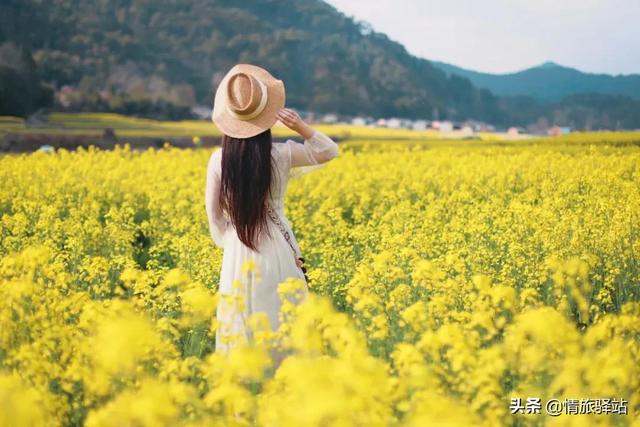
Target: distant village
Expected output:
[447,128]
[467,128]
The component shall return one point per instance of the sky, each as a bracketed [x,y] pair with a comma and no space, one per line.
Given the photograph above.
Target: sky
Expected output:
[502,36]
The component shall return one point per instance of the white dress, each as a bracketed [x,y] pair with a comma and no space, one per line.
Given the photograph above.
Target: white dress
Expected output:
[275,260]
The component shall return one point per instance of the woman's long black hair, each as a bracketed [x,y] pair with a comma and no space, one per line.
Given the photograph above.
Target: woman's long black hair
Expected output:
[246,183]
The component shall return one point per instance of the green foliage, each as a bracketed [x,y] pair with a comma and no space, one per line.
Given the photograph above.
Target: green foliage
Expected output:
[585,111]
[21,93]
[549,82]
[116,53]
[158,59]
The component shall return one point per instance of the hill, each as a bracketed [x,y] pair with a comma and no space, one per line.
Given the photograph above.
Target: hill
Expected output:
[548,81]
[125,52]
[159,59]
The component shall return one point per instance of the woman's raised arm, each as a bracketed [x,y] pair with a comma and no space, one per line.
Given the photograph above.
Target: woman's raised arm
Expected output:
[317,148]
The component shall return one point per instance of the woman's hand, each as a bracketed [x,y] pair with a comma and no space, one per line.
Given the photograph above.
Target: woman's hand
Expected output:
[292,120]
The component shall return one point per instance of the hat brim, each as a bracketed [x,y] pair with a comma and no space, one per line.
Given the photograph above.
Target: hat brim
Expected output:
[237,128]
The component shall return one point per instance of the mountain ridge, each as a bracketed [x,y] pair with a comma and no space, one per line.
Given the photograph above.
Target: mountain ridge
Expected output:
[158,59]
[326,59]
[548,81]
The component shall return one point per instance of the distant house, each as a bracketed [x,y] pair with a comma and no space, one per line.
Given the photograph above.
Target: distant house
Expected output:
[558,130]
[554,131]
[201,111]
[435,124]
[358,121]
[467,131]
[394,123]
[310,116]
[330,118]
[381,123]
[419,125]
[475,125]
[406,123]
[513,131]
[446,126]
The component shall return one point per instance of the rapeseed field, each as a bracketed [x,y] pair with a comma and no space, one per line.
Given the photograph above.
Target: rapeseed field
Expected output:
[449,281]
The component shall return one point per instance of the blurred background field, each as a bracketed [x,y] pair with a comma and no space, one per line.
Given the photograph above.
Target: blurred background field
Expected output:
[106,129]
[165,61]
[95,123]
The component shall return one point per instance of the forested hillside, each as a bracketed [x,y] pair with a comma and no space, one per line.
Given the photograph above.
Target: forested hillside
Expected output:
[129,51]
[160,58]
[549,81]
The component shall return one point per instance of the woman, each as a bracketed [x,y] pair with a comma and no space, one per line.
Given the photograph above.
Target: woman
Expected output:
[244,198]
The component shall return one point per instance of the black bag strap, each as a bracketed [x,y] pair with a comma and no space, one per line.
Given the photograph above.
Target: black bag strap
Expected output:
[274,217]
[276,220]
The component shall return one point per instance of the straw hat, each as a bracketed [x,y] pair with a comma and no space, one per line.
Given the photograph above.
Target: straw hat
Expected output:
[247,101]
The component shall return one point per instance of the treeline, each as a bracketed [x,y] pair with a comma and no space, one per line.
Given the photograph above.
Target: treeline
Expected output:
[585,111]
[153,58]
[21,90]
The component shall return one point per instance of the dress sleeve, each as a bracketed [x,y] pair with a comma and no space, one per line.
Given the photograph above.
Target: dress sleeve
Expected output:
[319,148]
[218,223]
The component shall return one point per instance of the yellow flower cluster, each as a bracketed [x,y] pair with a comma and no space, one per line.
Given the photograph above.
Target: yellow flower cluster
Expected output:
[446,280]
